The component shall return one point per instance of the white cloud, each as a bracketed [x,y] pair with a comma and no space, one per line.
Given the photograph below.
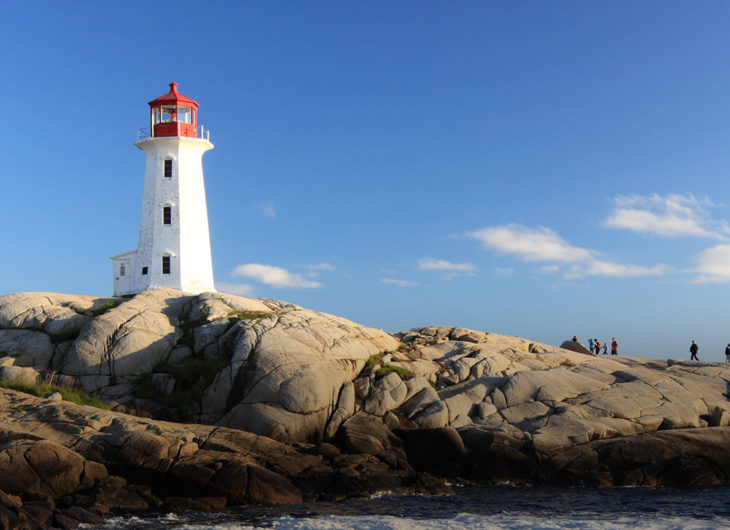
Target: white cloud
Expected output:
[267,208]
[670,215]
[431,264]
[542,244]
[274,276]
[239,289]
[398,282]
[713,264]
[320,267]
[504,271]
[530,244]
[615,270]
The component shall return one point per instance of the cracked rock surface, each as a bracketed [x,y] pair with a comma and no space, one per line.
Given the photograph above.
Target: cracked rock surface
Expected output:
[449,402]
[72,455]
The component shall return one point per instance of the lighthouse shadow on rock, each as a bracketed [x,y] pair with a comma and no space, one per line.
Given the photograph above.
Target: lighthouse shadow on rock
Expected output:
[174,240]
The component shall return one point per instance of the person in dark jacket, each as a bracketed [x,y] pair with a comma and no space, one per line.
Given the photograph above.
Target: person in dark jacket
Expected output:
[727,354]
[693,350]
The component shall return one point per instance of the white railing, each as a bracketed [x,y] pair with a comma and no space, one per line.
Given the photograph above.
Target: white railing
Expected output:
[143,133]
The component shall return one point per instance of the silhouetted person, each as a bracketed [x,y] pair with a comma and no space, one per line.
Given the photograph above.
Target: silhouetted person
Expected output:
[693,350]
[727,354]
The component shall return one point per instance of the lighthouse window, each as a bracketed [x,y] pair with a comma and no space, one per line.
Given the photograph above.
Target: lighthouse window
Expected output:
[165,264]
[169,114]
[184,114]
[168,168]
[166,215]
[144,270]
[122,270]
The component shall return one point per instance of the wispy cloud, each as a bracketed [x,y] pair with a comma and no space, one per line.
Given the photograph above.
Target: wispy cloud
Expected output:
[267,208]
[320,267]
[615,270]
[239,289]
[713,264]
[431,264]
[315,269]
[544,245]
[504,271]
[530,244]
[274,276]
[398,282]
[670,215]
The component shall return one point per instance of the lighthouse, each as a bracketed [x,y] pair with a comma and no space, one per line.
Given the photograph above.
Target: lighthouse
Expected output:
[173,250]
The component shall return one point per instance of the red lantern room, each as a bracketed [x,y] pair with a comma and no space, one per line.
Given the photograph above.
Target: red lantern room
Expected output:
[173,115]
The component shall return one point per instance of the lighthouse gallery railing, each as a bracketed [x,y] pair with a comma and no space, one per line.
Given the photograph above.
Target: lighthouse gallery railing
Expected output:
[143,133]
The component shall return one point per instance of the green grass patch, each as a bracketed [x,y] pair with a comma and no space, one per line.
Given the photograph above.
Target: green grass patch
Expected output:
[372,362]
[235,316]
[69,394]
[193,375]
[111,304]
[96,311]
[390,368]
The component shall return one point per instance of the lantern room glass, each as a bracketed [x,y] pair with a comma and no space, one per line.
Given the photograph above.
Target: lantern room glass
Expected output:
[172,113]
[185,115]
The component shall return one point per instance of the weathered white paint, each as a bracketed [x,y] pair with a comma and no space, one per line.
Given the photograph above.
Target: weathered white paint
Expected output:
[186,239]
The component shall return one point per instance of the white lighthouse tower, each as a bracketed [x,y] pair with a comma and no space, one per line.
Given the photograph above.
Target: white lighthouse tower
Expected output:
[174,240]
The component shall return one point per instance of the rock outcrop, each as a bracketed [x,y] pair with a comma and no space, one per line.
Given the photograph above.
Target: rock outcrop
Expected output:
[70,455]
[279,368]
[361,409]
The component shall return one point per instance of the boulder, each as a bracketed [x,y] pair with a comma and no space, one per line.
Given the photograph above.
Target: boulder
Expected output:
[300,361]
[364,433]
[345,409]
[18,374]
[387,394]
[28,348]
[127,341]
[43,468]
[433,416]
[576,347]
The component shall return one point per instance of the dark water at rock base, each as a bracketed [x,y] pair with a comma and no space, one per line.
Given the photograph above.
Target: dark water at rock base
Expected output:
[494,507]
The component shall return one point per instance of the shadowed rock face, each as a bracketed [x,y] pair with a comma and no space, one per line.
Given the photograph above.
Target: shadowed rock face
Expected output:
[102,460]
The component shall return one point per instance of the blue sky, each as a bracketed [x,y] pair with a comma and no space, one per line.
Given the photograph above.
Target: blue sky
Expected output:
[541,169]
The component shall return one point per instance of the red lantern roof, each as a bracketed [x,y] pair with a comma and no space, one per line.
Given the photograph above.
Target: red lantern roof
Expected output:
[173,115]
[173,97]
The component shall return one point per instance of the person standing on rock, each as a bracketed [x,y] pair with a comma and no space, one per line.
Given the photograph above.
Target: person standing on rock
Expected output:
[614,346]
[727,354]
[693,350]
[590,345]
[605,348]
[598,347]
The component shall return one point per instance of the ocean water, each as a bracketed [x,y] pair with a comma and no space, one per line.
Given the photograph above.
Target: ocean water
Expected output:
[472,508]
